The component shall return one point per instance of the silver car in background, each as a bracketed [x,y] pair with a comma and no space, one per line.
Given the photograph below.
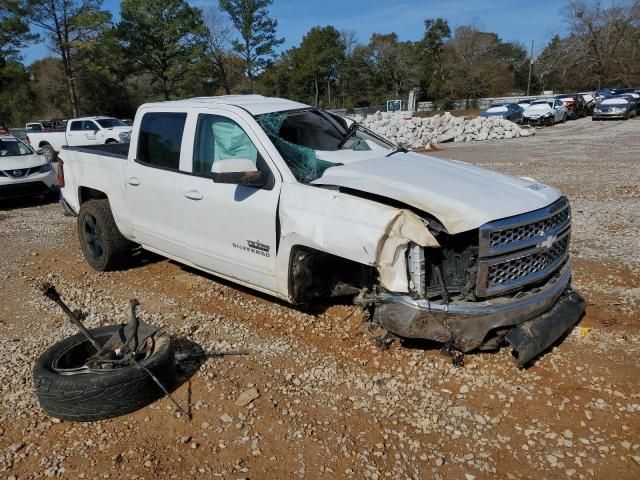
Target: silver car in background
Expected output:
[614,107]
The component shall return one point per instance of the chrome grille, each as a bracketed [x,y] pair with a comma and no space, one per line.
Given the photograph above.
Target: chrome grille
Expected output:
[524,249]
[18,172]
[531,230]
[523,267]
[522,231]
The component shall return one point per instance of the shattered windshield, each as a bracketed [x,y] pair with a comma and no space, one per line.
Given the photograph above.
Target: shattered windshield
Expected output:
[299,134]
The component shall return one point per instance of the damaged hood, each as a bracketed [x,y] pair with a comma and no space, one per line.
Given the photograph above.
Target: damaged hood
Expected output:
[461,196]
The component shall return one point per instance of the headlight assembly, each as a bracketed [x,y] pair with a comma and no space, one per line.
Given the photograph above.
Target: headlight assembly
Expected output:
[125,137]
[45,168]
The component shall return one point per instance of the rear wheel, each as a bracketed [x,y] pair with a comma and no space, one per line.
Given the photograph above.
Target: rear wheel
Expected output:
[110,141]
[103,246]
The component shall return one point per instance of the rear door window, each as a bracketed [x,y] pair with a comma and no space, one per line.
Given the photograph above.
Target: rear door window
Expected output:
[76,126]
[160,139]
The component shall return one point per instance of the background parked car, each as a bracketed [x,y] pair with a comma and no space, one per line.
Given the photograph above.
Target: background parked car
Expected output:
[632,97]
[615,107]
[525,103]
[546,111]
[23,171]
[508,111]
[590,101]
[575,104]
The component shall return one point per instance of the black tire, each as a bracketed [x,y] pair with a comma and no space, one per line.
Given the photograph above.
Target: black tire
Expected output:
[91,396]
[103,246]
[49,153]
[110,141]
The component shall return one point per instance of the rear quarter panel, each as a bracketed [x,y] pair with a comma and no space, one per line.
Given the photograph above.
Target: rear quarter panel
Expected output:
[55,139]
[99,172]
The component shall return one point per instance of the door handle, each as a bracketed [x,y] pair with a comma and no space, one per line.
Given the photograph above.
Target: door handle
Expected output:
[193,195]
[133,181]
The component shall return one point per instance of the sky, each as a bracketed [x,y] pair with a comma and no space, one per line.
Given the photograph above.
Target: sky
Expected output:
[519,20]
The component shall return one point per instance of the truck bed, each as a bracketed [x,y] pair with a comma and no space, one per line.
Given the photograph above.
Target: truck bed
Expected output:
[114,150]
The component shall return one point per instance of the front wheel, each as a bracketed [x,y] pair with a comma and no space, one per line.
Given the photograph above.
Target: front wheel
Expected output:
[551,121]
[103,246]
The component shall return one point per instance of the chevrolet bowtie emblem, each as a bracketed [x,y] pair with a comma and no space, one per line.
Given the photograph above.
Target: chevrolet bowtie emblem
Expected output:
[548,243]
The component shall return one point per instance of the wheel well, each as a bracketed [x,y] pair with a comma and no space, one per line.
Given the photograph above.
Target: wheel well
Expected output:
[111,140]
[85,194]
[316,274]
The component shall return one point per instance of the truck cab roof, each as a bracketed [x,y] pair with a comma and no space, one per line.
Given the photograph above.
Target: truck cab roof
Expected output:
[254,104]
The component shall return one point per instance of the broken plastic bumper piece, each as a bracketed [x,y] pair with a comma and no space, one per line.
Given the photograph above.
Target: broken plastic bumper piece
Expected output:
[532,321]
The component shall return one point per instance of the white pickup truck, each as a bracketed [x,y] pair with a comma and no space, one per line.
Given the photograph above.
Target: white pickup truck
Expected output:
[80,132]
[303,204]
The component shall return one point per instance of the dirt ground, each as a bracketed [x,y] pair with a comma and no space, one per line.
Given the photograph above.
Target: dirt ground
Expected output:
[331,405]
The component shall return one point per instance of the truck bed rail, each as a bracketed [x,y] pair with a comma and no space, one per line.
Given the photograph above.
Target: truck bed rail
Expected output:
[115,150]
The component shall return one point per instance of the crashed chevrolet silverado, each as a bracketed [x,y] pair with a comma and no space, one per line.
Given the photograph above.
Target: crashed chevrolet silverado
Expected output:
[303,204]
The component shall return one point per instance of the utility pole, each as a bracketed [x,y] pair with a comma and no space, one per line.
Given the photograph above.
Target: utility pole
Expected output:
[530,66]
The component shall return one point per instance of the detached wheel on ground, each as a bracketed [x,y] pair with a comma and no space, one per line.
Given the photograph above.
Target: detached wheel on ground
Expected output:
[68,391]
[103,246]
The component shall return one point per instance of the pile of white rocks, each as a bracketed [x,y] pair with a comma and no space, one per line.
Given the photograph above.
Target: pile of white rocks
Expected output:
[417,132]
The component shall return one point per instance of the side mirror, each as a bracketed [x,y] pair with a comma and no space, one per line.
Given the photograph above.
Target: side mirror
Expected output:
[39,152]
[238,171]
[249,179]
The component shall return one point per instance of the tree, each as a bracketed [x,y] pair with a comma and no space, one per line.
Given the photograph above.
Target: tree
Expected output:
[603,41]
[395,62]
[318,57]
[472,67]
[257,32]
[436,33]
[163,38]
[217,42]
[70,26]
[18,96]
[14,30]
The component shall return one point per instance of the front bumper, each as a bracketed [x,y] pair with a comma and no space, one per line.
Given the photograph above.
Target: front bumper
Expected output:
[469,325]
[619,115]
[536,120]
[25,189]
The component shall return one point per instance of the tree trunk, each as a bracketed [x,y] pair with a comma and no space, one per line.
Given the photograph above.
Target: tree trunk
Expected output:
[329,91]
[72,94]
[315,84]
[225,80]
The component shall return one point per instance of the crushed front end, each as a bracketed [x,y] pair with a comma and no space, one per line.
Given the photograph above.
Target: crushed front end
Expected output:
[508,281]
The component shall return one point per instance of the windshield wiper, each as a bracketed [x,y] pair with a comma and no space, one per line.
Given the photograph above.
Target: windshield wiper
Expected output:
[350,133]
[398,149]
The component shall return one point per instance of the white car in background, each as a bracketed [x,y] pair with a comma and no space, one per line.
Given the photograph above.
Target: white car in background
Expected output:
[23,171]
[79,132]
[545,111]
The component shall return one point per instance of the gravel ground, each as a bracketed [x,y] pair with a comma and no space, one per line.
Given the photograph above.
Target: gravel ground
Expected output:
[313,397]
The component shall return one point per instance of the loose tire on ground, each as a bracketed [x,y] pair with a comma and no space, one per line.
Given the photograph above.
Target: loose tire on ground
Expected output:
[103,246]
[93,396]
